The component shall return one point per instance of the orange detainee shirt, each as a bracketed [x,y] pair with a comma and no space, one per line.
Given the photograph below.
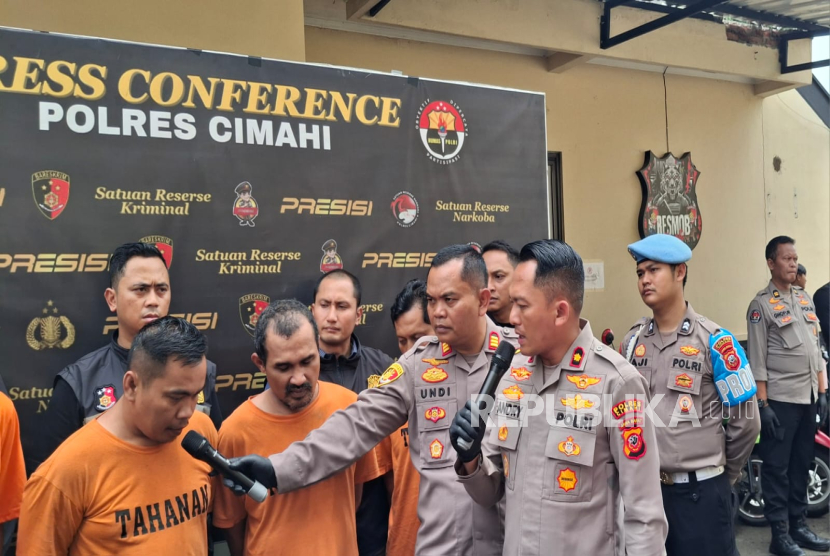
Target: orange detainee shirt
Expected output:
[12,468]
[393,453]
[319,519]
[98,494]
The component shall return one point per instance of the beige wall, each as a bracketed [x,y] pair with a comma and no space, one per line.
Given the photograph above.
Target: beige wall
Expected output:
[602,120]
[267,28]
[798,195]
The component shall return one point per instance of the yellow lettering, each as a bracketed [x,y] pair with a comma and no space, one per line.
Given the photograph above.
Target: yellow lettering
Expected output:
[65,81]
[26,70]
[360,109]
[94,82]
[286,97]
[198,86]
[157,89]
[125,85]
[231,91]
[338,103]
[257,94]
[389,112]
[314,105]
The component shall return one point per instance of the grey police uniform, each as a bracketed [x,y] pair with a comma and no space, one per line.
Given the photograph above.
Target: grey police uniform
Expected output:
[678,368]
[784,352]
[426,386]
[784,348]
[562,470]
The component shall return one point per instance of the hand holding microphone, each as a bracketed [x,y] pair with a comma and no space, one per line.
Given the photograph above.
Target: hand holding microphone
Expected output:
[465,435]
[252,475]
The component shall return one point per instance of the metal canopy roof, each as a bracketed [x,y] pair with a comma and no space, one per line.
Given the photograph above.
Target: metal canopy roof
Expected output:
[789,19]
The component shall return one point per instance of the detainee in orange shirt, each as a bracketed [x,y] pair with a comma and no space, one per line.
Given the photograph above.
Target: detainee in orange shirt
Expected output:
[12,470]
[411,321]
[122,484]
[316,520]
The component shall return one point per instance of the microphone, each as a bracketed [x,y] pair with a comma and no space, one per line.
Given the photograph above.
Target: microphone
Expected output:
[607,337]
[498,365]
[198,446]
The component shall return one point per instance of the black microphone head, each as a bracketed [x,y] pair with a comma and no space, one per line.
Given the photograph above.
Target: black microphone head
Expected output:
[193,442]
[504,355]
[607,336]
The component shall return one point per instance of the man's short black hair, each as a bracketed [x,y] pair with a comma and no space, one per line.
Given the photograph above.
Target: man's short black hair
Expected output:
[284,318]
[122,255]
[504,247]
[340,273]
[559,270]
[415,291]
[164,340]
[772,246]
[473,270]
[801,270]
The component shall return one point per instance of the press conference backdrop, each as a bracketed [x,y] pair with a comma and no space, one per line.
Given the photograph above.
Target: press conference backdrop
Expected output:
[252,176]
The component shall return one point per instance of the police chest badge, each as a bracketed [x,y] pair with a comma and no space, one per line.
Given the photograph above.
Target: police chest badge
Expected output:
[669,203]
[105,396]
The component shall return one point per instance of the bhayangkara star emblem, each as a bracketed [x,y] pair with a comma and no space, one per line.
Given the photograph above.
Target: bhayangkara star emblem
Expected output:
[54,330]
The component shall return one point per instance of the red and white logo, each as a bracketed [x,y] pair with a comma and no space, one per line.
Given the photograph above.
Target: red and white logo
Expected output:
[405,209]
[443,128]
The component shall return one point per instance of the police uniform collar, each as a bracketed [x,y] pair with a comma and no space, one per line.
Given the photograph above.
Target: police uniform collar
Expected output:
[687,325]
[574,358]
[119,351]
[775,292]
[494,336]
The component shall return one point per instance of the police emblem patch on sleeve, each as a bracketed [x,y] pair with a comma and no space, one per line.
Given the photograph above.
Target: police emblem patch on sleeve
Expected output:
[393,373]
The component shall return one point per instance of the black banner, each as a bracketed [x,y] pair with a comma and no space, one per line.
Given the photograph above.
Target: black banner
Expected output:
[253,176]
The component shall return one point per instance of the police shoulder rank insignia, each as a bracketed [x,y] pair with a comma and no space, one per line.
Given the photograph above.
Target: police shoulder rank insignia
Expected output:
[583,381]
[520,373]
[640,350]
[435,414]
[201,397]
[577,402]
[436,449]
[494,340]
[513,393]
[686,326]
[567,479]
[373,381]
[445,349]
[106,397]
[434,374]
[503,433]
[689,350]
[569,447]
[755,316]
[393,373]
[634,446]
[577,357]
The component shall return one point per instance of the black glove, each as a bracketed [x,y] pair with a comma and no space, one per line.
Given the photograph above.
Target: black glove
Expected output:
[463,428]
[822,408]
[770,427]
[254,467]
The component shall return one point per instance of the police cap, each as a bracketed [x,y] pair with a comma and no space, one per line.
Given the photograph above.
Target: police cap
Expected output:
[660,248]
[243,187]
[330,245]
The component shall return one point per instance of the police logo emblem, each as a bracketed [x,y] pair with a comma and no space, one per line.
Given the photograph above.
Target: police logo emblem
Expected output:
[331,260]
[245,207]
[569,447]
[163,244]
[105,396]
[51,191]
[52,330]
[250,307]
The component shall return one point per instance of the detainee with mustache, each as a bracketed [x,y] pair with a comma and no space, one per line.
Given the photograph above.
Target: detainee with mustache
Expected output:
[297,402]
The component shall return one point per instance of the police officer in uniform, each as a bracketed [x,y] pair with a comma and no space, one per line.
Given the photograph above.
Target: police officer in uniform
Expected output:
[139,293]
[698,374]
[563,467]
[785,357]
[425,386]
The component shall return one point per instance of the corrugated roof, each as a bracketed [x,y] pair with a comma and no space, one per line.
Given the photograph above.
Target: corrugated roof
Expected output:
[812,11]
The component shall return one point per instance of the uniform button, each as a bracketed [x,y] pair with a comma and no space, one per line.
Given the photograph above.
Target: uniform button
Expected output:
[599,348]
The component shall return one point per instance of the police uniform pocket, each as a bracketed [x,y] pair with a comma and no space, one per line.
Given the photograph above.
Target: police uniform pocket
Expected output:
[789,334]
[681,380]
[436,415]
[569,457]
[504,434]
[436,450]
